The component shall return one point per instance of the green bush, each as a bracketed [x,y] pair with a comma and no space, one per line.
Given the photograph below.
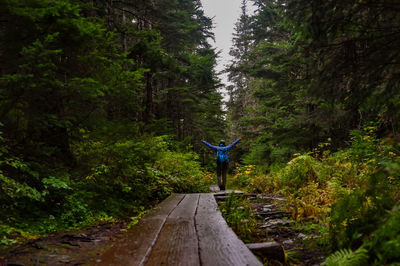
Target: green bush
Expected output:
[181,172]
[114,179]
[239,215]
[353,191]
[359,213]
[143,171]
[384,246]
[243,175]
[298,171]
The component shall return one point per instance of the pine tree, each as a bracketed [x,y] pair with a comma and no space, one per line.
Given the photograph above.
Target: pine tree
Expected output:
[241,95]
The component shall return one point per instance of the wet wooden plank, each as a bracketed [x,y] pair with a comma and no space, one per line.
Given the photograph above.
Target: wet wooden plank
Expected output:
[134,246]
[218,244]
[177,243]
[186,208]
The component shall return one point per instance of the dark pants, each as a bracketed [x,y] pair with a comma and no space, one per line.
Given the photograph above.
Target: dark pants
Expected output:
[222,167]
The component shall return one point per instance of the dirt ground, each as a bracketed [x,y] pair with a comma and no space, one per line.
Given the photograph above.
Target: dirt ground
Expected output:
[70,248]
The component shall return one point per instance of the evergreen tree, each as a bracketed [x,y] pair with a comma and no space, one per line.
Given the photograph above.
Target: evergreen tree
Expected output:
[318,71]
[241,99]
[88,91]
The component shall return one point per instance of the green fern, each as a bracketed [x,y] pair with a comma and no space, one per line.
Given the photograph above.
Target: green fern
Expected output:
[347,257]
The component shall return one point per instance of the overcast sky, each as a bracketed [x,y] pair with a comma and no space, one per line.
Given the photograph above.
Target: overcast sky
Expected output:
[225,14]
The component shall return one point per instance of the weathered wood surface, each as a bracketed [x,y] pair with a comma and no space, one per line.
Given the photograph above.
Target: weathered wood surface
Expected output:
[183,230]
[225,194]
[177,243]
[228,192]
[134,247]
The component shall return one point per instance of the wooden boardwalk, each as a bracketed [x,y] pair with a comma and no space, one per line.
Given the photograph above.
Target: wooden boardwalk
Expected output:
[185,229]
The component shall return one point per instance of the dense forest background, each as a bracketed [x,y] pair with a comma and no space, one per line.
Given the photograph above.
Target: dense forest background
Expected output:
[103,105]
[316,91]
[305,72]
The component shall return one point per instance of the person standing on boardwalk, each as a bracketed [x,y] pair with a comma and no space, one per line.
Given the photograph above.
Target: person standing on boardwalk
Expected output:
[222,160]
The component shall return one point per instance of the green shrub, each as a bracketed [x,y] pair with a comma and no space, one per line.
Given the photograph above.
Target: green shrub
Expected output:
[239,215]
[359,213]
[113,179]
[143,171]
[242,176]
[354,191]
[384,246]
[181,172]
[298,172]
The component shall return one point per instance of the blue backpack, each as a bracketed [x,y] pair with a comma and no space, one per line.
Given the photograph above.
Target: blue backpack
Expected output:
[222,154]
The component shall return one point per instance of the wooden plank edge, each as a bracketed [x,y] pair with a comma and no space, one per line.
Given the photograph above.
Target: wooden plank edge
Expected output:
[146,256]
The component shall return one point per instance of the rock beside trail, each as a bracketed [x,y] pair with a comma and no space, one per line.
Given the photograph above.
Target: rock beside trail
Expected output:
[275,223]
[272,250]
[270,197]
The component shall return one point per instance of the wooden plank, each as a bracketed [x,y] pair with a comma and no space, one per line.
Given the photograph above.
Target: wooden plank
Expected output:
[214,188]
[165,207]
[136,244]
[177,243]
[228,192]
[186,208]
[218,244]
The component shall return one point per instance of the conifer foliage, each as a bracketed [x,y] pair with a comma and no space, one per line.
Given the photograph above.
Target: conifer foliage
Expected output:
[317,70]
[94,97]
[324,78]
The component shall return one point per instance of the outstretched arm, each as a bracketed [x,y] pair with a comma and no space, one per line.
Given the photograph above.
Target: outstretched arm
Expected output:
[209,145]
[233,144]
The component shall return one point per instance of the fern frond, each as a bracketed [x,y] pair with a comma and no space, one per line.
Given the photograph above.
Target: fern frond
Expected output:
[347,257]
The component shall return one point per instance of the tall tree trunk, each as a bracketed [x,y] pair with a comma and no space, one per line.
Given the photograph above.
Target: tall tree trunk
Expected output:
[124,41]
[148,112]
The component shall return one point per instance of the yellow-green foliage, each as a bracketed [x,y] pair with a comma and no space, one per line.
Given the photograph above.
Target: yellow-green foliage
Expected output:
[243,176]
[312,182]
[354,191]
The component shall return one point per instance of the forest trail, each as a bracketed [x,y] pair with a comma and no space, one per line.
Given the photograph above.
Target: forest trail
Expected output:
[103,107]
[185,229]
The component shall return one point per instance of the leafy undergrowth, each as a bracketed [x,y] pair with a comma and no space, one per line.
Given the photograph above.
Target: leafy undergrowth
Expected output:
[114,181]
[258,218]
[350,197]
[238,214]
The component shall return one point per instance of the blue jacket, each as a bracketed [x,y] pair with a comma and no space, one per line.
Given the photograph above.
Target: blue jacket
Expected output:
[222,155]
